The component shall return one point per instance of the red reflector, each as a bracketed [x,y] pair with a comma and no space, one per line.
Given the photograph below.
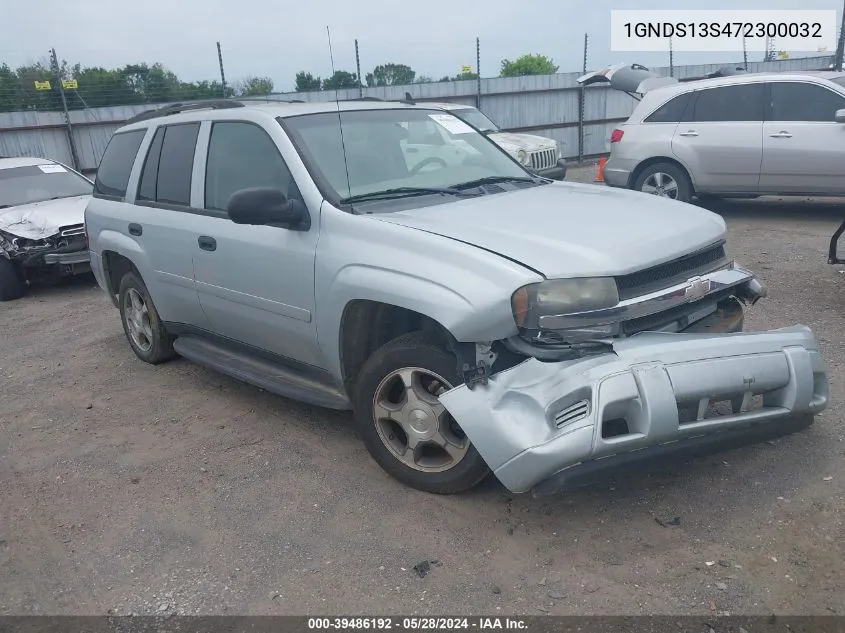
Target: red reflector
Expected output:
[616,135]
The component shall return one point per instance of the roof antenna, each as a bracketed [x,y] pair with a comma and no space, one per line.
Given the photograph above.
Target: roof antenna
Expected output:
[339,120]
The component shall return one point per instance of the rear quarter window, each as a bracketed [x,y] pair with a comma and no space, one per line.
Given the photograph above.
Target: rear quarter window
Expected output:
[116,164]
[670,112]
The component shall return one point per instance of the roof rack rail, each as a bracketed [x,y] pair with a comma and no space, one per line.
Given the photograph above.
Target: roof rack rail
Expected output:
[363,99]
[176,108]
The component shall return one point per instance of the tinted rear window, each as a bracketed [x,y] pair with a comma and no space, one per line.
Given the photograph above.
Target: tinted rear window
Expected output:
[116,165]
[176,164]
[730,103]
[670,112]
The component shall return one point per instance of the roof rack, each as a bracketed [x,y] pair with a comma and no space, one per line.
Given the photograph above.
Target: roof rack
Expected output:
[363,99]
[176,108]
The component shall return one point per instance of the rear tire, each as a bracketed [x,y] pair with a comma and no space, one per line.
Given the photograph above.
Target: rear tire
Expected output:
[141,324]
[666,180]
[405,429]
[11,285]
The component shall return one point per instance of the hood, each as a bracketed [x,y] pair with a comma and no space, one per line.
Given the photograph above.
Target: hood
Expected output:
[571,230]
[42,219]
[528,142]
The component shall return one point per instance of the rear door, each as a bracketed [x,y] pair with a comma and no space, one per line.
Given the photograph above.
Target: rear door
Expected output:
[720,139]
[166,225]
[803,146]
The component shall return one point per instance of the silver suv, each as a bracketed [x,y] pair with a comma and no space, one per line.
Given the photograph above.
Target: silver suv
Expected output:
[744,135]
[475,317]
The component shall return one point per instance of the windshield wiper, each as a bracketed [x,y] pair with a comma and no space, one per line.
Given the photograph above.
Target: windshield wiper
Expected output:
[492,180]
[404,192]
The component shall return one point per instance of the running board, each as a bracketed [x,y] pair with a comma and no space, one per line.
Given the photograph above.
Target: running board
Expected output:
[307,385]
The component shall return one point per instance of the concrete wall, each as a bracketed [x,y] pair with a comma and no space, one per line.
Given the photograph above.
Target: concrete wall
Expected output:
[546,105]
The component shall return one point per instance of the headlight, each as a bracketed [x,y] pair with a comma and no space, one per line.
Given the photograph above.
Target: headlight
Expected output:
[522,156]
[562,296]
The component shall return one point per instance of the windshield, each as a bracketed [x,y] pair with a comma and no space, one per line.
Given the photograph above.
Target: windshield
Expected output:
[475,118]
[36,183]
[392,149]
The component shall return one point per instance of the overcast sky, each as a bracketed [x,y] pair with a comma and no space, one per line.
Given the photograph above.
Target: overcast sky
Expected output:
[279,38]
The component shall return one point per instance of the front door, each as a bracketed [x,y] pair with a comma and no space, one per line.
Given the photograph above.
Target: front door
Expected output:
[803,146]
[255,283]
[720,139]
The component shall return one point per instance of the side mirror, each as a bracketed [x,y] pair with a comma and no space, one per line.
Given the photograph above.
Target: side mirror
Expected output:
[839,117]
[268,206]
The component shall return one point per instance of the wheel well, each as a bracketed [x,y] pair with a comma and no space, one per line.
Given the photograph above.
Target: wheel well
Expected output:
[115,266]
[367,325]
[653,161]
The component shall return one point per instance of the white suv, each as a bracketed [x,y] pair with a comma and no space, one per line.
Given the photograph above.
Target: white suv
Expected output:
[742,135]
[538,153]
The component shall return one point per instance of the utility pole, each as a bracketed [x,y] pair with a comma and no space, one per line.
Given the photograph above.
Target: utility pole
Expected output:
[582,104]
[744,54]
[54,62]
[477,73]
[671,60]
[840,45]
[222,74]
[358,66]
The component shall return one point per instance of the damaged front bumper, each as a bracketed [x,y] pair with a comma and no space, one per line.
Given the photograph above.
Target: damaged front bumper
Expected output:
[541,426]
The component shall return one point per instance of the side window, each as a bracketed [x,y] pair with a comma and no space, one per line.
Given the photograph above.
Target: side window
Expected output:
[796,101]
[173,185]
[743,102]
[242,155]
[670,112]
[116,164]
[147,186]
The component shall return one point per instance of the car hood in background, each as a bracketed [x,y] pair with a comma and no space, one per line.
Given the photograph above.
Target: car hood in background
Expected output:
[42,219]
[528,142]
[567,229]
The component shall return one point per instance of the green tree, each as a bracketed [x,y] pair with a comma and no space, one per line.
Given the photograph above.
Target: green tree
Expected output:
[424,79]
[465,76]
[255,87]
[341,79]
[306,82]
[391,75]
[528,65]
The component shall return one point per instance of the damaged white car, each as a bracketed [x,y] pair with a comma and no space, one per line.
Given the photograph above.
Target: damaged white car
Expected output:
[42,204]
[475,317]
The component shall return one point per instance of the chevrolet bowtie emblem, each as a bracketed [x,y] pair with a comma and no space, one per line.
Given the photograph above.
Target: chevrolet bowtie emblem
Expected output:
[696,288]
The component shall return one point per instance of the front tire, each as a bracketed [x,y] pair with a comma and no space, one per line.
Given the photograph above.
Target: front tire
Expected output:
[665,180]
[141,322]
[11,285]
[402,423]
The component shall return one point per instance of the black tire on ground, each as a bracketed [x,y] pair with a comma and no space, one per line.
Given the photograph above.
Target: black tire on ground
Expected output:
[677,174]
[11,285]
[413,350]
[161,343]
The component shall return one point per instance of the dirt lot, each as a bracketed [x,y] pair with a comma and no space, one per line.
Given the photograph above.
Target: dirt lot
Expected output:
[133,488]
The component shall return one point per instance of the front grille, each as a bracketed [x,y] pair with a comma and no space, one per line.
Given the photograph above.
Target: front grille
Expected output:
[664,275]
[544,158]
[71,230]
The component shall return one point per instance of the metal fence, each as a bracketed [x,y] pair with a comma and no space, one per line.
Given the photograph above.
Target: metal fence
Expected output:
[546,105]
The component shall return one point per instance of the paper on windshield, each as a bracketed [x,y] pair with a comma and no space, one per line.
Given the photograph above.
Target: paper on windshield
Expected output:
[52,169]
[452,123]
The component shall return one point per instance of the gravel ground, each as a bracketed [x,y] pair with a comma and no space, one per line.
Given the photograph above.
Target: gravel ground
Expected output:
[131,488]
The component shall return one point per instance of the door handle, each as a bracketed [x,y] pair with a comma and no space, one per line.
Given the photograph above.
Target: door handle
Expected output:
[135,229]
[207,243]
[781,134]
[412,150]
[688,133]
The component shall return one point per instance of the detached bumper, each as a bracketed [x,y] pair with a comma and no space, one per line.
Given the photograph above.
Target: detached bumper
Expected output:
[541,426]
[558,172]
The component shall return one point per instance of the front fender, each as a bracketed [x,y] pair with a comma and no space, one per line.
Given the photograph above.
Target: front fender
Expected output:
[465,320]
